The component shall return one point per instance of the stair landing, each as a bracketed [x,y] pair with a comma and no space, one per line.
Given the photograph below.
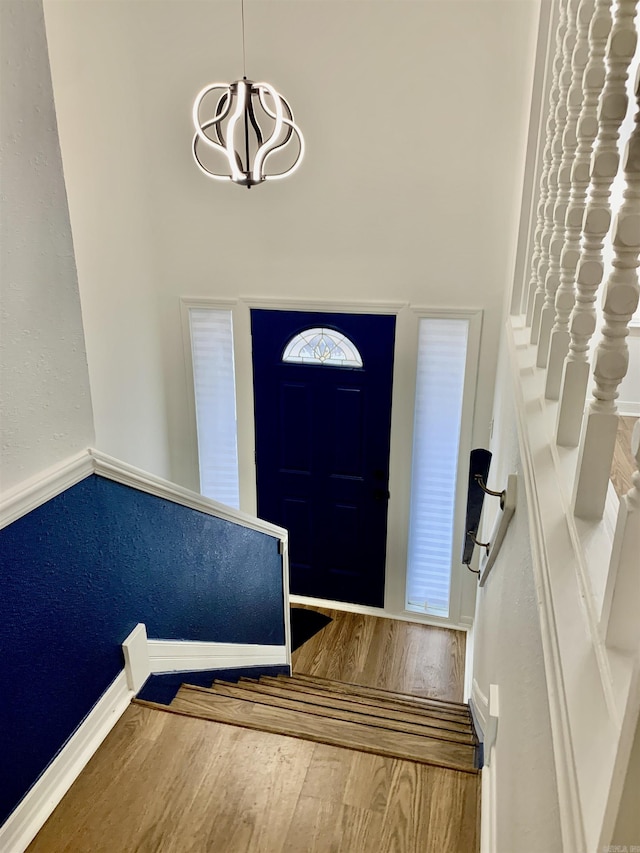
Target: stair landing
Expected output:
[167,782]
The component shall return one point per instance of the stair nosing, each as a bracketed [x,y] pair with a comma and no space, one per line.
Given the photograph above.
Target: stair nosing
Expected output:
[304,689]
[426,716]
[460,714]
[454,707]
[434,732]
[399,753]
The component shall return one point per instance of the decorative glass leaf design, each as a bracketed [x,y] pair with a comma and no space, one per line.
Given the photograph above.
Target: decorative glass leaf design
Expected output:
[322,346]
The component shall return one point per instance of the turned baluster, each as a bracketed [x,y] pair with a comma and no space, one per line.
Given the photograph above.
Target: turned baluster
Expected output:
[578,139]
[612,355]
[563,188]
[548,188]
[622,594]
[597,220]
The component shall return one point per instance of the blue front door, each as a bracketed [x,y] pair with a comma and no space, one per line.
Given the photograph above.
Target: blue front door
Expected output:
[322,445]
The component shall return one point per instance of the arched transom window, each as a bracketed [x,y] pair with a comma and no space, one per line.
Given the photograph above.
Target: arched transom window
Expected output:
[322,346]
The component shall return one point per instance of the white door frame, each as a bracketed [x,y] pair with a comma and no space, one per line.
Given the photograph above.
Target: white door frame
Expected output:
[402,412]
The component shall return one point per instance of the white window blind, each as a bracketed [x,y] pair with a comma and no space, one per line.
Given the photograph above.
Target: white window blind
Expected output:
[215,393]
[442,351]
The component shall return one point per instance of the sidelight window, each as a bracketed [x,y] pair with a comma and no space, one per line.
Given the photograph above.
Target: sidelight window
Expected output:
[215,395]
[442,355]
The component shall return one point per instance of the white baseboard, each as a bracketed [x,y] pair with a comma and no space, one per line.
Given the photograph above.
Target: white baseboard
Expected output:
[480,708]
[627,408]
[404,616]
[488,814]
[164,656]
[179,655]
[468,664]
[27,819]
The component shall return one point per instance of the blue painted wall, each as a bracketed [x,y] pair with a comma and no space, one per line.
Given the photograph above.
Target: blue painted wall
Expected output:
[80,572]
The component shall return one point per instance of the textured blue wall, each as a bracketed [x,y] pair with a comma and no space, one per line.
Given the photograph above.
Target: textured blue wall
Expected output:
[80,572]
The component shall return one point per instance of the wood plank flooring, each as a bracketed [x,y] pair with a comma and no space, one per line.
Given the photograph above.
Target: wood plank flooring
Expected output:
[162,783]
[623,462]
[401,656]
[165,783]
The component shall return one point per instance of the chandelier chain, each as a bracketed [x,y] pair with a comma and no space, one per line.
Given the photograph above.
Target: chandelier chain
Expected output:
[244,52]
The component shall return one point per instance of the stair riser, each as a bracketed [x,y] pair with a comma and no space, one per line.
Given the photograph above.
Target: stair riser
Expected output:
[335,712]
[206,705]
[384,709]
[456,708]
[461,719]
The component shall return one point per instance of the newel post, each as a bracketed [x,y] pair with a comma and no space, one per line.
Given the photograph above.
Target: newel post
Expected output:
[612,354]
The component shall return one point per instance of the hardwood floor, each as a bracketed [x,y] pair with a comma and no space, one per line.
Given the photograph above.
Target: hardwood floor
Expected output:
[400,656]
[623,462]
[165,783]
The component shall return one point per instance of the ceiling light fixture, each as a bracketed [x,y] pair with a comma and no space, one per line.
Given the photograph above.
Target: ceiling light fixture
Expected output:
[248,123]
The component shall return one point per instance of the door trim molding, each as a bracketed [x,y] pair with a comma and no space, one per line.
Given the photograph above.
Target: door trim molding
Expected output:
[402,408]
[332,306]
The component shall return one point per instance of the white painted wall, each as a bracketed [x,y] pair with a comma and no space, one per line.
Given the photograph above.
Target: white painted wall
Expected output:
[417,208]
[629,391]
[44,389]
[508,652]
[117,251]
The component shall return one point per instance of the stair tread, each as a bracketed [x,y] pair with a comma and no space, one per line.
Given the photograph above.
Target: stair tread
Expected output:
[457,709]
[381,707]
[206,704]
[461,717]
[265,695]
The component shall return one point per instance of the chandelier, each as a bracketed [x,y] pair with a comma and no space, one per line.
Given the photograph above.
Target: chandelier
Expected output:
[245,123]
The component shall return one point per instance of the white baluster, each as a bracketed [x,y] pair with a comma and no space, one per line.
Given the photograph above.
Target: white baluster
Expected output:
[548,187]
[622,596]
[563,185]
[574,173]
[612,355]
[537,240]
[597,219]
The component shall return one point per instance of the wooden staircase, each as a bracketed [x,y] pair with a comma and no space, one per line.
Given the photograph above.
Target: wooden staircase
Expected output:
[368,719]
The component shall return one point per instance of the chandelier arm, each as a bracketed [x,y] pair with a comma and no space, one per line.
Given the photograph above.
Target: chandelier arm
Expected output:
[266,107]
[196,107]
[203,168]
[237,174]
[289,134]
[297,161]
[219,116]
[208,140]
[257,172]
